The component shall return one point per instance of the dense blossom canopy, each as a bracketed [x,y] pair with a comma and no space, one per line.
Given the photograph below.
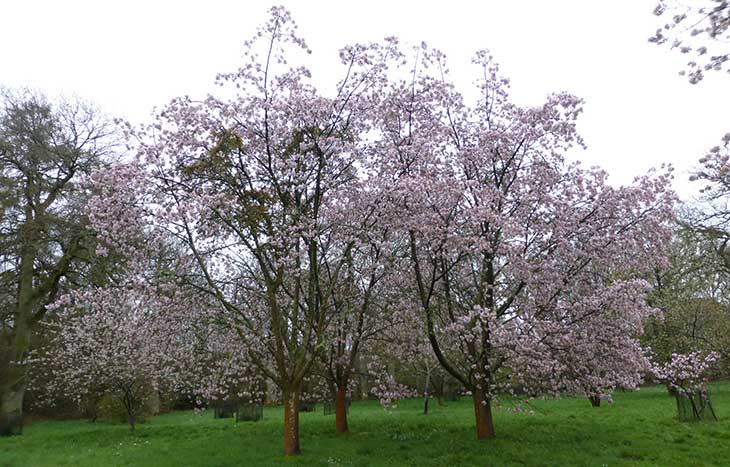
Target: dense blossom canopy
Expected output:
[316,225]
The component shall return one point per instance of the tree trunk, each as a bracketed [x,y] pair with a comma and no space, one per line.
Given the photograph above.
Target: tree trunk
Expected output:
[483,415]
[341,411]
[131,422]
[291,423]
[11,409]
[129,405]
[425,393]
[12,390]
[595,400]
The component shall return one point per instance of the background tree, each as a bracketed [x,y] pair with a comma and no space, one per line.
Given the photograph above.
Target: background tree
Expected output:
[409,352]
[364,301]
[692,294]
[45,150]
[125,341]
[147,329]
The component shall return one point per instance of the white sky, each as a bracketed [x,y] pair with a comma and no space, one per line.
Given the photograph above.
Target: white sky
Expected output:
[129,56]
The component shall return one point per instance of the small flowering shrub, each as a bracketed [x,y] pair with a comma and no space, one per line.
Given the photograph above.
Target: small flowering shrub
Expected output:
[686,374]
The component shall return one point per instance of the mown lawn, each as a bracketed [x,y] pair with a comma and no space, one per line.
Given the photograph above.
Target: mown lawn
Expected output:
[638,429]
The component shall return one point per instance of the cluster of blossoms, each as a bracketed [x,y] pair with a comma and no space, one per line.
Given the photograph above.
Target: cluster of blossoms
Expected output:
[699,29]
[385,387]
[686,374]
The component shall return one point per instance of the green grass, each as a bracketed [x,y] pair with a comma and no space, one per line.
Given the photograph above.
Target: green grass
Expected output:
[639,429]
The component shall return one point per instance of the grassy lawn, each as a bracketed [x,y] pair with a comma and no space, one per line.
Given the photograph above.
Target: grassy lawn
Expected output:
[639,429]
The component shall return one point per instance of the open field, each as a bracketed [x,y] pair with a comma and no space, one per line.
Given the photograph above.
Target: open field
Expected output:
[639,429]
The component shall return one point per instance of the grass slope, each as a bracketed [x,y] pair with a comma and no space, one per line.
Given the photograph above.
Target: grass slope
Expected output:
[639,429]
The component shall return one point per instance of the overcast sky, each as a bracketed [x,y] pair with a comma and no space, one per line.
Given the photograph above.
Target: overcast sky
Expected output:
[130,56]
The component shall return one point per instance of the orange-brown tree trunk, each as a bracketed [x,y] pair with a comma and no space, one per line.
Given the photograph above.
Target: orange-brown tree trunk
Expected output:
[483,415]
[341,411]
[291,424]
